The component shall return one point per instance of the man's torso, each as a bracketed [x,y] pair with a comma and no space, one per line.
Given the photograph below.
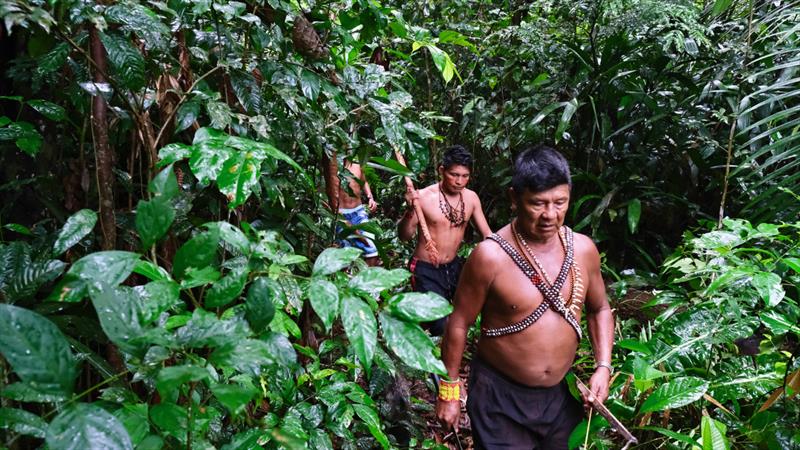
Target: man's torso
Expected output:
[447,236]
[347,201]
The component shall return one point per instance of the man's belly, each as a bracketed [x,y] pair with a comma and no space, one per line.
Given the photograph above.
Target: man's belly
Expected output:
[540,355]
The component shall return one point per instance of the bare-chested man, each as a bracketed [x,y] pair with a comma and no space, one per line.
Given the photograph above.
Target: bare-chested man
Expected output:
[351,208]
[447,206]
[530,282]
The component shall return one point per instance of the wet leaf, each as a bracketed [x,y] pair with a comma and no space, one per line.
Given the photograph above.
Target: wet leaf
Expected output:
[410,343]
[370,418]
[361,329]
[712,433]
[334,259]
[678,392]
[324,299]
[109,267]
[170,379]
[22,422]
[419,307]
[164,184]
[769,287]
[378,279]
[260,308]
[233,396]
[199,252]
[87,427]
[227,289]
[37,351]
[48,109]
[153,219]
[76,228]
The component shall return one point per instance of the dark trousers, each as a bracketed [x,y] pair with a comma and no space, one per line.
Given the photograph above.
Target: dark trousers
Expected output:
[425,277]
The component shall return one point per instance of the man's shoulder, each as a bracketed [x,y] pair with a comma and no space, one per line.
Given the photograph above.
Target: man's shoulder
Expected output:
[583,243]
[488,252]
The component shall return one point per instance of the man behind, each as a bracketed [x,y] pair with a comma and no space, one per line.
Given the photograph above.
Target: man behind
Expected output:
[447,206]
[517,394]
[353,211]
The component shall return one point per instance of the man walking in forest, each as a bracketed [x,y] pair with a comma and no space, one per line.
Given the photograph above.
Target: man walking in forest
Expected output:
[354,213]
[529,282]
[447,207]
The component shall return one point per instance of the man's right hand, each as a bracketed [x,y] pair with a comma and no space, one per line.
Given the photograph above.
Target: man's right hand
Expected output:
[448,413]
[412,195]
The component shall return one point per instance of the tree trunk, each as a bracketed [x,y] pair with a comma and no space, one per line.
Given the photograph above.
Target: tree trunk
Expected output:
[330,171]
[103,154]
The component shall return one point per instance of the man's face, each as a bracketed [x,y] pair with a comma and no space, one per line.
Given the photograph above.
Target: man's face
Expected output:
[541,214]
[454,178]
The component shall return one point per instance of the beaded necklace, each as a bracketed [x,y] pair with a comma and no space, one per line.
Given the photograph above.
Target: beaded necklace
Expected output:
[576,290]
[456,215]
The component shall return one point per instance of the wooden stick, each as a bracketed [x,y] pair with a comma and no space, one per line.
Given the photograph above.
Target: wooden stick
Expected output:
[430,244]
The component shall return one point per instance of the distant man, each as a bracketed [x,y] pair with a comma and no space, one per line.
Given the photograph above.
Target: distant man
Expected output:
[529,281]
[354,213]
[447,206]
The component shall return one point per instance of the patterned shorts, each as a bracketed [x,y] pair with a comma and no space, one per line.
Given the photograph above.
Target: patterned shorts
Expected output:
[358,238]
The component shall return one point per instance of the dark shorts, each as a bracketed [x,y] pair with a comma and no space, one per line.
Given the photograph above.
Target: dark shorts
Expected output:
[425,277]
[508,415]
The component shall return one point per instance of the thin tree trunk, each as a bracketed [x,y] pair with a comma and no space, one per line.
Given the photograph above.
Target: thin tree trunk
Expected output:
[103,154]
[330,171]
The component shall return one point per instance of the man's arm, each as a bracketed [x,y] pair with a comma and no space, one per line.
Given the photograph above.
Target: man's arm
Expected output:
[371,203]
[479,220]
[473,286]
[407,227]
[601,324]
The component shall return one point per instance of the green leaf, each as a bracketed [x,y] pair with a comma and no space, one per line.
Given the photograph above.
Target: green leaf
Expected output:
[153,219]
[219,113]
[411,344]
[238,177]
[233,396]
[769,287]
[779,323]
[247,91]
[227,289]
[48,109]
[18,228]
[378,279]
[170,379]
[678,392]
[260,308]
[569,110]
[674,435]
[139,19]
[20,277]
[22,422]
[310,85]
[720,6]
[120,317]
[249,356]
[206,329]
[199,277]
[370,418]
[231,235]
[87,427]
[37,351]
[361,329]
[156,298]
[794,263]
[76,228]
[151,271]
[713,434]
[419,307]
[164,184]
[334,259]
[199,252]
[109,267]
[23,392]
[170,417]
[187,115]
[634,213]
[126,61]
[324,299]
[134,417]
[172,153]
[454,37]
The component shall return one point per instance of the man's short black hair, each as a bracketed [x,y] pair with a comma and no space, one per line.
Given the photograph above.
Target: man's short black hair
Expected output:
[538,169]
[457,155]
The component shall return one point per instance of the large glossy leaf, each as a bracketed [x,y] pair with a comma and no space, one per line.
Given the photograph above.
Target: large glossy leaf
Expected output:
[634,213]
[769,287]
[370,418]
[76,228]
[419,307]
[208,156]
[174,152]
[678,392]
[120,317]
[779,323]
[153,219]
[713,434]
[144,22]
[361,329]
[260,308]
[37,351]
[22,422]
[334,259]
[170,417]
[249,356]
[232,236]
[411,344]
[23,392]
[377,279]
[156,298]
[164,184]
[227,289]
[109,267]
[205,329]
[48,109]
[199,252]
[233,396]
[21,277]
[246,90]
[126,60]
[133,417]
[87,427]
[238,177]
[324,299]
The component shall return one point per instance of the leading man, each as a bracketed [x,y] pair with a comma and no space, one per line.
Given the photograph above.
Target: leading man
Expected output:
[530,281]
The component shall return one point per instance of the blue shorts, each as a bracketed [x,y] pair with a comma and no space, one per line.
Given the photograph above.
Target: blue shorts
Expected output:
[358,238]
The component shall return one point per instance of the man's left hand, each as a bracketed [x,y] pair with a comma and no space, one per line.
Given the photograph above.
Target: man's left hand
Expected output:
[598,385]
[372,204]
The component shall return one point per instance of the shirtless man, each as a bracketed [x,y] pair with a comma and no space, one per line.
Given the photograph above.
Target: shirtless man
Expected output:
[517,394]
[448,206]
[351,208]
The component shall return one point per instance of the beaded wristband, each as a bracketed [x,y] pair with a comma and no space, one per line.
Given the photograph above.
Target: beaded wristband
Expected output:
[449,391]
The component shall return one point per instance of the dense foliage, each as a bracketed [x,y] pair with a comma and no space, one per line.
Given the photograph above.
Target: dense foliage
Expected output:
[168,172]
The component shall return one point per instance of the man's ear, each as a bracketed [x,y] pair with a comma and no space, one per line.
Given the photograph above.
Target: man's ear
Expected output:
[440,170]
[513,197]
